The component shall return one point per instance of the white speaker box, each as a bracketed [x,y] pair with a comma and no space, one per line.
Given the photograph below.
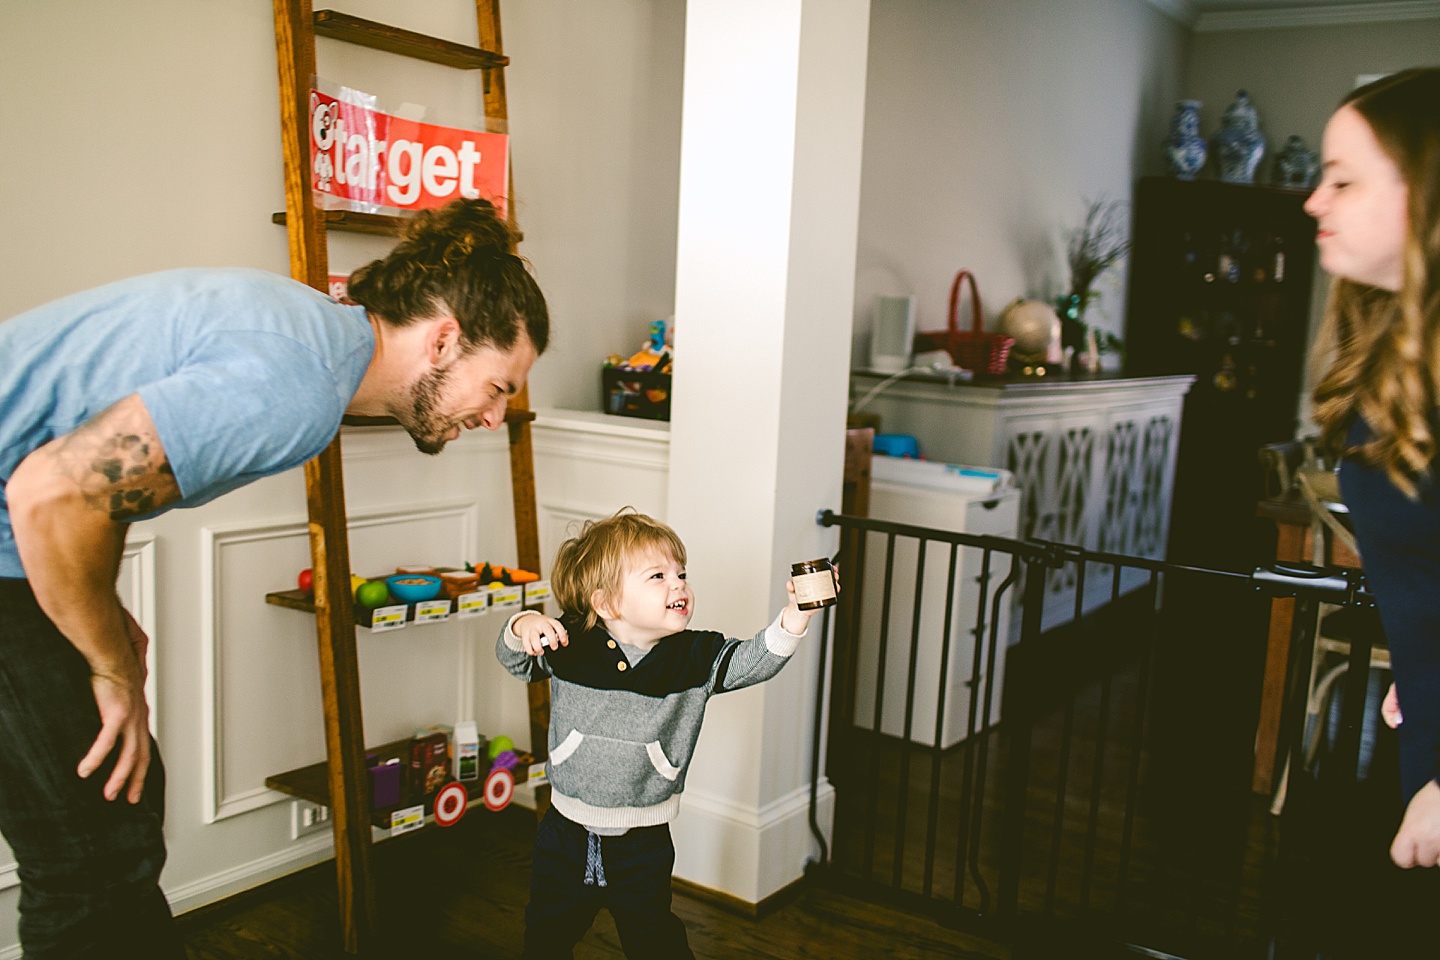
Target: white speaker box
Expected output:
[893,336]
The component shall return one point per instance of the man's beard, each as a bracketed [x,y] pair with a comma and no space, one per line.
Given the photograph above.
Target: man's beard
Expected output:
[426,428]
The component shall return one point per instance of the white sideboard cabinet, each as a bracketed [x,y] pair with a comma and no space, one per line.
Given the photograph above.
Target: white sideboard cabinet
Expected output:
[1094,457]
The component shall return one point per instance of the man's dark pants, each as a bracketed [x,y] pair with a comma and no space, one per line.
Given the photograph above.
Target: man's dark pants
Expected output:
[637,869]
[89,867]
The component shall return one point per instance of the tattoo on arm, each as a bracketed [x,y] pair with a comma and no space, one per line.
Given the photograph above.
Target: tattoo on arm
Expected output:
[117,461]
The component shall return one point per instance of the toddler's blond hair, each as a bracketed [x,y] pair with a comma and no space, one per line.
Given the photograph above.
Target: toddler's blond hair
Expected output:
[594,561]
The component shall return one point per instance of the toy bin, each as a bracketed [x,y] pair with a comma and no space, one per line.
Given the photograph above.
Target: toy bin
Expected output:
[635,393]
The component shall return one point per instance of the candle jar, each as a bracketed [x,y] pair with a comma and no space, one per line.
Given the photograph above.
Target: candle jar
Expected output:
[814,584]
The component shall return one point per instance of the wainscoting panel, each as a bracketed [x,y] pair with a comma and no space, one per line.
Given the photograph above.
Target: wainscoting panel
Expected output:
[262,711]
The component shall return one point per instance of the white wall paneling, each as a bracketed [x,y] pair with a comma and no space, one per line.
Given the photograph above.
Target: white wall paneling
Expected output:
[260,673]
[588,465]
[136,589]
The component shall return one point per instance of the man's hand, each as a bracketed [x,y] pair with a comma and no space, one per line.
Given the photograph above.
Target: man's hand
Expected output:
[124,719]
[1417,844]
[70,502]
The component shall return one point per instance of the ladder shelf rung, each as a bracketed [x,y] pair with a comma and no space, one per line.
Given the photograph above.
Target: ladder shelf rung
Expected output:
[379,224]
[355,420]
[407,43]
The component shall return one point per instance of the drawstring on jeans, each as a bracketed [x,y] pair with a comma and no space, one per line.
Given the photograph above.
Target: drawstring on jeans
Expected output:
[594,866]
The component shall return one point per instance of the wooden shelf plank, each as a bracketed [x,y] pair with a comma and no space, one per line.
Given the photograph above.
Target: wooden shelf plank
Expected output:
[292,600]
[312,783]
[406,43]
[350,221]
[511,416]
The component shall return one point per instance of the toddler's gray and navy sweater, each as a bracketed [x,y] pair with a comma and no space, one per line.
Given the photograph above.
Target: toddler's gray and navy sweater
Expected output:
[621,736]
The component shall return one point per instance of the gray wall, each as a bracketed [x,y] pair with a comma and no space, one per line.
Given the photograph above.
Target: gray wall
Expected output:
[595,114]
[142,136]
[1295,76]
[987,127]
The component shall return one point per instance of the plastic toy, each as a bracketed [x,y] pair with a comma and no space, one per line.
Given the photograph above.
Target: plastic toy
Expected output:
[413,587]
[450,804]
[372,593]
[492,574]
[655,354]
[499,745]
[499,789]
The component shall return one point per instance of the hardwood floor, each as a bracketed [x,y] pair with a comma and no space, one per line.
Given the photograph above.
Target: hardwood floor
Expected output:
[1139,826]
[461,892]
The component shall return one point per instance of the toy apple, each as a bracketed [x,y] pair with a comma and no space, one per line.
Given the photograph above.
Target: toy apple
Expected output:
[306,581]
[373,593]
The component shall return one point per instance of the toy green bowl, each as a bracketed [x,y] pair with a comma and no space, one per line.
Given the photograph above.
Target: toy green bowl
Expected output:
[413,587]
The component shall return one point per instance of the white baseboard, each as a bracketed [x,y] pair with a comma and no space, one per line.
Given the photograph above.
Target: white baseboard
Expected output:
[218,886]
[748,853]
[190,896]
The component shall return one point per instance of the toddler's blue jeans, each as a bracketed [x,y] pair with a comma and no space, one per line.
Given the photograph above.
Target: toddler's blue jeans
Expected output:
[88,867]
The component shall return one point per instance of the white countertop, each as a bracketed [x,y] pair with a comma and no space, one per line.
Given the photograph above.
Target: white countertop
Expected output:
[602,424]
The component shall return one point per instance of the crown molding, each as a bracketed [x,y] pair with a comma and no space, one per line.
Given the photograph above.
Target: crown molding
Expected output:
[1327,15]
[1181,11]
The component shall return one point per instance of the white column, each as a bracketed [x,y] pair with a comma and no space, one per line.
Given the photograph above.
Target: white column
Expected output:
[765,275]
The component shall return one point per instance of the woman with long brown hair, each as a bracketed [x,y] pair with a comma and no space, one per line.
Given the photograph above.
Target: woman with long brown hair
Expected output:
[1378,212]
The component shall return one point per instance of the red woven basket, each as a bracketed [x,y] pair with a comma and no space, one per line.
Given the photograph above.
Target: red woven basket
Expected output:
[974,349]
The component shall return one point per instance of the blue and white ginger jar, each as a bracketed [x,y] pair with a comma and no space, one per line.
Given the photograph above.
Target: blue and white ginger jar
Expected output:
[1296,166]
[1239,145]
[1185,149]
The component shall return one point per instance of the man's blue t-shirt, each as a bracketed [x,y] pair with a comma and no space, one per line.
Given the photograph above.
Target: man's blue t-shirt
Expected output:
[245,374]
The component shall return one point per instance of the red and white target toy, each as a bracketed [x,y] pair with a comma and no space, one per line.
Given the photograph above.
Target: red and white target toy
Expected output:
[450,804]
[499,788]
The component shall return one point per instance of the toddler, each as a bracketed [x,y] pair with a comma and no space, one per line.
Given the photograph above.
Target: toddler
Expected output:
[628,685]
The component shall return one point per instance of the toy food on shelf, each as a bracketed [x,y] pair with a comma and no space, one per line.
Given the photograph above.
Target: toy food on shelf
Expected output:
[413,587]
[456,583]
[372,593]
[429,759]
[306,581]
[493,573]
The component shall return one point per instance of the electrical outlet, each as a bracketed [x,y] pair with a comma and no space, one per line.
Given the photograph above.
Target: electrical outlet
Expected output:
[307,818]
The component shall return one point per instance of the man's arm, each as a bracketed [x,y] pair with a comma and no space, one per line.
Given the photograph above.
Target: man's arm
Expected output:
[70,503]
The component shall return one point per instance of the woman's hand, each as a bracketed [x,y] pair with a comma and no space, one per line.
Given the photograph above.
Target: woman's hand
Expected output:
[1390,709]
[1417,844]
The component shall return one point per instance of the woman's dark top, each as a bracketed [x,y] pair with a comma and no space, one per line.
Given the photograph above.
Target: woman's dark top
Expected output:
[1399,541]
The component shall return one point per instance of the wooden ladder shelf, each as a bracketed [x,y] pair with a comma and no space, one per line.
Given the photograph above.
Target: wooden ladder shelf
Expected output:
[296,24]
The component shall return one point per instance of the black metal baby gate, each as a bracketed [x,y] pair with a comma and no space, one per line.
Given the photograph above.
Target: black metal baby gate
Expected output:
[1068,769]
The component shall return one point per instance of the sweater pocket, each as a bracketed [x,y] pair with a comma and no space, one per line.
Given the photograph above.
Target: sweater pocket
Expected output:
[660,762]
[566,747]
[608,771]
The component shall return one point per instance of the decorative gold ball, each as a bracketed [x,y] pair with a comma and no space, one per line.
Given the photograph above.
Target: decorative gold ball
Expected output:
[1030,322]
